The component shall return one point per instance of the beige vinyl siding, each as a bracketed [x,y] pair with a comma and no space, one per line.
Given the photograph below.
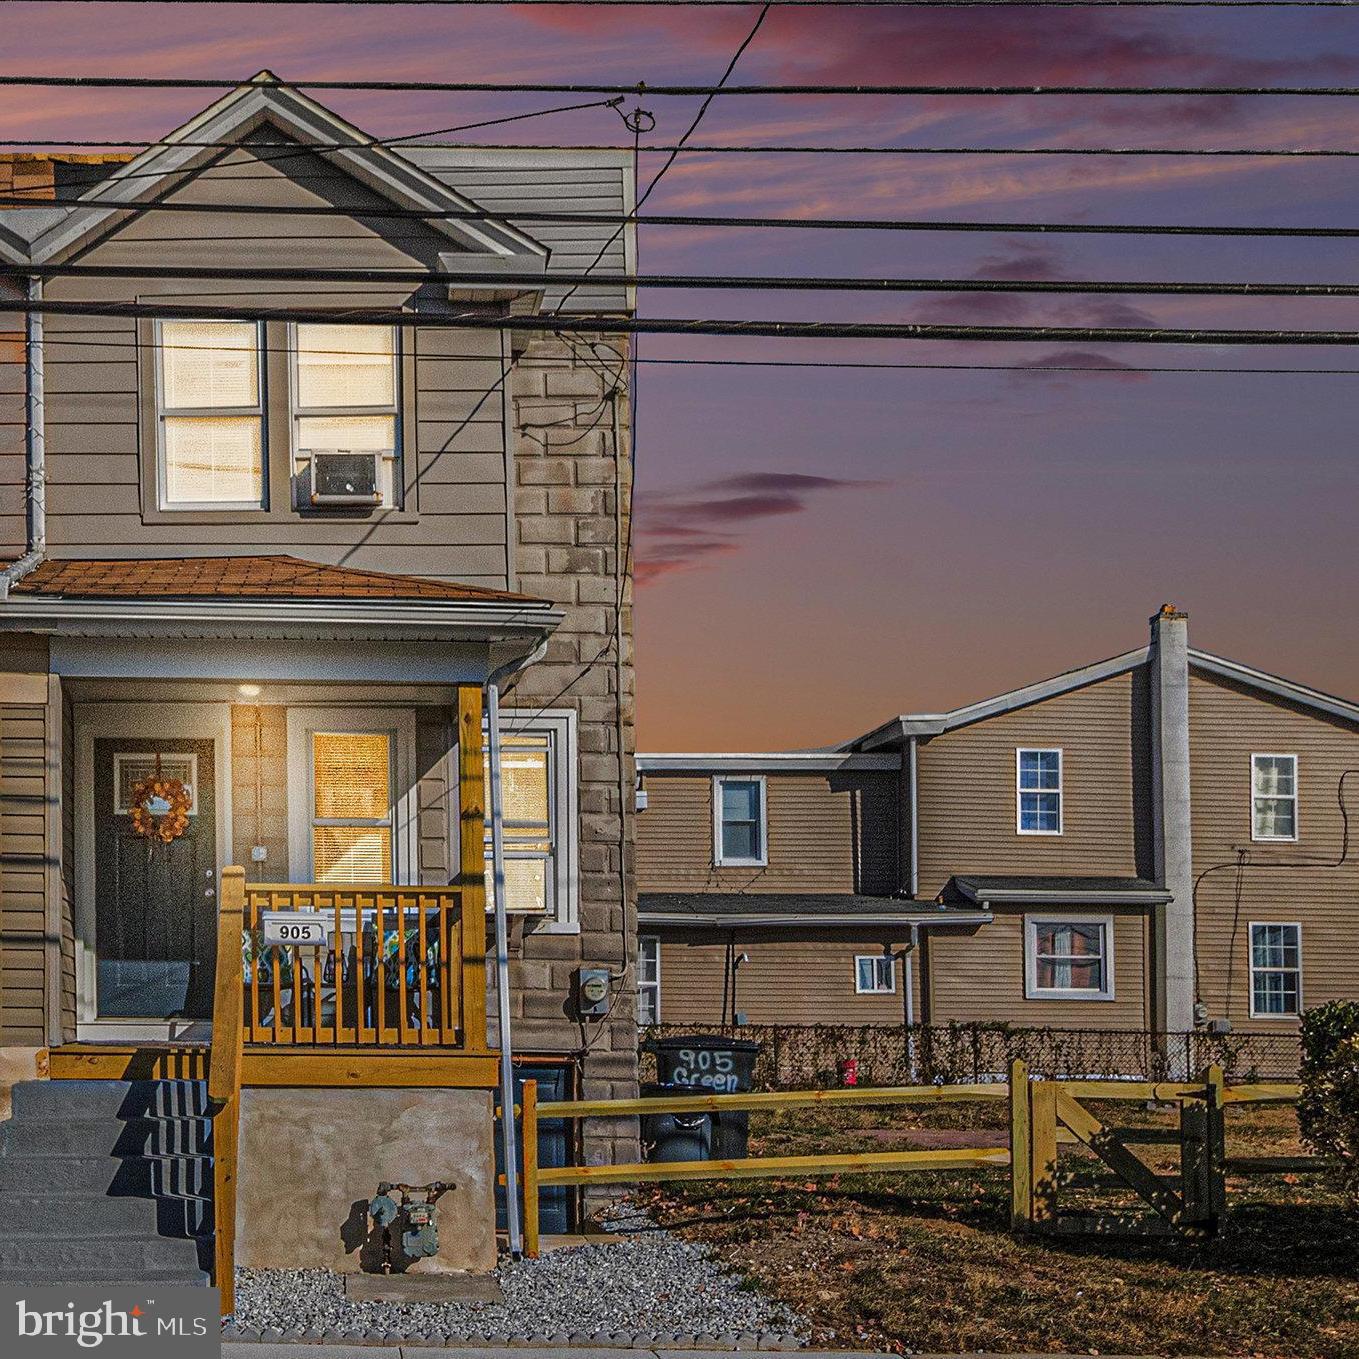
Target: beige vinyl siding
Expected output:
[1229,723]
[68,866]
[436,793]
[27,800]
[981,977]
[826,833]
[454,523]
[807,979]
[967,788]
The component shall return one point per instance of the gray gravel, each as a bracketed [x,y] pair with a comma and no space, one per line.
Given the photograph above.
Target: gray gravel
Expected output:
[631,1288]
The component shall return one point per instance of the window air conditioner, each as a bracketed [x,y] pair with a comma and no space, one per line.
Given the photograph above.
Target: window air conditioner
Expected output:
[340,477]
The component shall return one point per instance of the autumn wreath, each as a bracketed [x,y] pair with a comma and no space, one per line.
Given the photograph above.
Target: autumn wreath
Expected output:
[178,801]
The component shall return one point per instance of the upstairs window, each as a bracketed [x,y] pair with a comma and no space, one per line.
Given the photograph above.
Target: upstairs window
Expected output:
[1039,777]
[209,415]
[649,979]
[1069,959]
[1274,797]
[346,395]
[1275,970]
[739,823]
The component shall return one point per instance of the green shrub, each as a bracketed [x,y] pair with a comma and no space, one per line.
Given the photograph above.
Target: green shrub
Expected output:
[1328,1111]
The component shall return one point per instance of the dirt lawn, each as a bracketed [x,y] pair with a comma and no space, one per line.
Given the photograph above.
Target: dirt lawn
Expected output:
[925,1262]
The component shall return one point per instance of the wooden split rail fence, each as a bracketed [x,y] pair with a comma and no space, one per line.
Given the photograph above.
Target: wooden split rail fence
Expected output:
[1044,1115]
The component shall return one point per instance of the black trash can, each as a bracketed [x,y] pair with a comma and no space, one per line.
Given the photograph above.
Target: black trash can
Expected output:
[724,1066]
[700,1064]
[677,1136]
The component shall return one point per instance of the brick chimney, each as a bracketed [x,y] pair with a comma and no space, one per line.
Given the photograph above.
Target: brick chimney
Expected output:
[1173,951]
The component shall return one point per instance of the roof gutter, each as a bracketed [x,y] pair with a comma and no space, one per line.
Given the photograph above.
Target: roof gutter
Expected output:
[912,920]
[35,469]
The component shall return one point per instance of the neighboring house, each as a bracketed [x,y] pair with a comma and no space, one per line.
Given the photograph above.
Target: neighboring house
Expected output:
[278,560]
[1153,842]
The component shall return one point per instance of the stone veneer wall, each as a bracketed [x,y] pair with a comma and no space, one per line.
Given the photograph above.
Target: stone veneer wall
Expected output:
[568,479]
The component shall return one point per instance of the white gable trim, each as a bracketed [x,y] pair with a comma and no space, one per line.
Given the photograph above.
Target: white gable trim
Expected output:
[234,117]
[1275,685]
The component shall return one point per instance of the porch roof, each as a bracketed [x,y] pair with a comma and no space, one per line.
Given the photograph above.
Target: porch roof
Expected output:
[796,910]
[1023,889]
[268,597]
[263,577]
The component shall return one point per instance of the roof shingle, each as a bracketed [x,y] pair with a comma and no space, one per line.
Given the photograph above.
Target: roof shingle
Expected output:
[264,577]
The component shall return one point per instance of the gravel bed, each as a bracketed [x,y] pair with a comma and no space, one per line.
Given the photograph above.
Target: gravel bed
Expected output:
[641,1288]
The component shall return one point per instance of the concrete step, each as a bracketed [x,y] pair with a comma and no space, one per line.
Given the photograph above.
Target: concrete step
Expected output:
[177,1176]
[76,1274]
[106,1215]
[152,1136]
[110,1099]
[56,1257]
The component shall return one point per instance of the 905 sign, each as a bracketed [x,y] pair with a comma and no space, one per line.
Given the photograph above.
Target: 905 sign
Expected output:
[294,929]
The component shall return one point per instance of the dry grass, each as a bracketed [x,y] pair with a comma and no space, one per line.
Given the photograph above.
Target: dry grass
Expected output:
[927,1263]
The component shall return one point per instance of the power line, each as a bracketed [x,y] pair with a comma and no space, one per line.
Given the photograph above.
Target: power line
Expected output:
[641,88]
[709,149]
[696,282]
[808,4]
[770,329]
[693,219]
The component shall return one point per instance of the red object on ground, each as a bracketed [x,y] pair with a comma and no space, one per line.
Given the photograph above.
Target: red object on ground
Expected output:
[849,1071]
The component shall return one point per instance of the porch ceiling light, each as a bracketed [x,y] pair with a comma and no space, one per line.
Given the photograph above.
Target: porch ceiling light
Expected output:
[248,690]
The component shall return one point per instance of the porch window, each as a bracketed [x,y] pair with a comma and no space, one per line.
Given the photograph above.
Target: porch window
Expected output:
[1039,791]
[649,979]
[1275,970]
[1274,797]
[875,974]
[1069,959]
[209,415]
[346,394]
[352,805]
[538,796]
[739,822]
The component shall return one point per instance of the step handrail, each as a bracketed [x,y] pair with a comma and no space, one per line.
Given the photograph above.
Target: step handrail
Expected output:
[224,1079]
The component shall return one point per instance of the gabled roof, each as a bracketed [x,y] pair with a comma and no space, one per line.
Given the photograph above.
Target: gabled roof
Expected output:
[266,577]
[265,100]
[906,725]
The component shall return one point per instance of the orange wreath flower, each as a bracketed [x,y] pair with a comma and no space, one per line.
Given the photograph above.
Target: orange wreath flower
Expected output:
[170,824]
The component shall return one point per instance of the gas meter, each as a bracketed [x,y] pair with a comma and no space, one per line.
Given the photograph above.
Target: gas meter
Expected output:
[415,1213]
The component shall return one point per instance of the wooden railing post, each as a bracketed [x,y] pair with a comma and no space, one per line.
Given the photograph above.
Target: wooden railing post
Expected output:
[1043,1154]
[224,1079]
[528,1131]
[1021,1149]
[472,867]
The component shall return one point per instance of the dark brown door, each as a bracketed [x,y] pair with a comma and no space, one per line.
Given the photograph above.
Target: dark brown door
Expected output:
[155,903]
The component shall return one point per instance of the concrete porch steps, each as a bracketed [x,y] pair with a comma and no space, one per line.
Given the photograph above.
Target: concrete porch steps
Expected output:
[106,1182]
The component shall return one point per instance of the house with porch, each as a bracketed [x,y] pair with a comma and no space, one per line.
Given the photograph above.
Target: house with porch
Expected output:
[297,473]
[1155,843]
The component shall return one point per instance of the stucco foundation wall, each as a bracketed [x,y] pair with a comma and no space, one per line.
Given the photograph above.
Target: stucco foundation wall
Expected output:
[311,1160]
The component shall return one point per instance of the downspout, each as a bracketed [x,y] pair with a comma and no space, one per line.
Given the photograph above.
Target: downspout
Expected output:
[907,968]
[912,776]
[34,446]
[508,1136]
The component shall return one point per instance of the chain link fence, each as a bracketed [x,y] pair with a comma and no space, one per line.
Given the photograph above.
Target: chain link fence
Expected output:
[810,1056]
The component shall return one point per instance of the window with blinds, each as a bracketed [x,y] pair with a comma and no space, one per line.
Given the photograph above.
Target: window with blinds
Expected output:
[526,799]
[346,393]
[210,414]
[352,806]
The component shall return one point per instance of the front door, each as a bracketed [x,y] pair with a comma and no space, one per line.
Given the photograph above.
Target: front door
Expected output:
[155,902]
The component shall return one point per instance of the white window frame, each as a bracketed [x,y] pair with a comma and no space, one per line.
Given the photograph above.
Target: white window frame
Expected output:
[559,726]
[1032,991]
[877,959]
[1250,960]
[257,411]
[1060,790]
[389,474]
[397,722]
[721,860]
[1295,799]
[649,943]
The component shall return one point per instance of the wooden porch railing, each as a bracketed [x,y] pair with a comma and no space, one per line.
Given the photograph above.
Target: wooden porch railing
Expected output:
[389,972]
[224,1080]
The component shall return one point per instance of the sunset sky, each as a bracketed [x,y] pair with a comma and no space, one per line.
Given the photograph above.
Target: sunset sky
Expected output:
[820,549]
